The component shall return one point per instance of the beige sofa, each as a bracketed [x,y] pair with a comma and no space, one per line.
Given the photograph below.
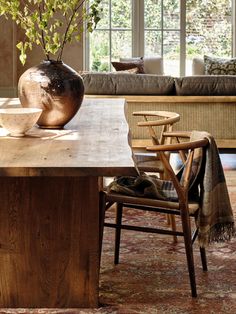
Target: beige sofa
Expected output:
[204,102]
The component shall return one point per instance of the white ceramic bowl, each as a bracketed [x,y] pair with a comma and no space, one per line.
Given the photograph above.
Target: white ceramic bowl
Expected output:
[18,121]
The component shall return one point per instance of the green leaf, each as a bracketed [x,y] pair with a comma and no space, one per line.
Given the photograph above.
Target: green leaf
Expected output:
[19,45]
[50,23]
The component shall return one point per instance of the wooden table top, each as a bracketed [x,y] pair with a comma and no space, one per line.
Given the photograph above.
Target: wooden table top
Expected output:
[93,143]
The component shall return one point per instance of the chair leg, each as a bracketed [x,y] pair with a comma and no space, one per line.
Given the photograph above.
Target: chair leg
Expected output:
[170,218]
[189,250]
[202,253]
[203,258]
[119,211]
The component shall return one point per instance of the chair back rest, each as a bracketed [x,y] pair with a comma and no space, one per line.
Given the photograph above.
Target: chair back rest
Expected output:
[158,122]
[192,154]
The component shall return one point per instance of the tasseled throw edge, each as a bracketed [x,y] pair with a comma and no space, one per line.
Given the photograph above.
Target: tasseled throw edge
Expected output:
[218,233]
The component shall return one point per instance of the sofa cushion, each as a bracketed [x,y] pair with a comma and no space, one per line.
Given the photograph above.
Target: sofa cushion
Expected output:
[198,66]
[122,66]
[205,85]
[219,66]
[127,84]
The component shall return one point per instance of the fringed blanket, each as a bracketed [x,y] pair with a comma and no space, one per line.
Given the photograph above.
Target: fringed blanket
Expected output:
[215,220]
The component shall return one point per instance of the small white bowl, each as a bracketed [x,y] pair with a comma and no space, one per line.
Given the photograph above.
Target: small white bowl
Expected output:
[18,121]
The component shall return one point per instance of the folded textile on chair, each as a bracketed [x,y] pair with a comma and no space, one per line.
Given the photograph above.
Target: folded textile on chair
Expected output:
[144,185]
[215,220]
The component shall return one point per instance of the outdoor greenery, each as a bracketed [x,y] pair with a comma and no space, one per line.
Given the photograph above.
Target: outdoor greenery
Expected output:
[51,23]
[208,30]
[100,49]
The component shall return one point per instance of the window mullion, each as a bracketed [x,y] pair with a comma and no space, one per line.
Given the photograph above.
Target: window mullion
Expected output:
[135,27]
[162,30]
[138,28]
[182,37]
[110,34]
[141,30]
[233,28]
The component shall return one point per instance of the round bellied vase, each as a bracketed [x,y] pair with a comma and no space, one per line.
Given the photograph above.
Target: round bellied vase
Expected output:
[55,88]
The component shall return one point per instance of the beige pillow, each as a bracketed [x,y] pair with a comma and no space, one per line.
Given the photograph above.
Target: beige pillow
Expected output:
[198,66]
[219,66]
[152,65]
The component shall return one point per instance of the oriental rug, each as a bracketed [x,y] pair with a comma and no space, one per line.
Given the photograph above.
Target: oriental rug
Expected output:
[152,276]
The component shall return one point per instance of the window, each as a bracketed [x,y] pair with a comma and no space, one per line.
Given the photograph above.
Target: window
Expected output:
[112,38]
[209,28]
[178,30]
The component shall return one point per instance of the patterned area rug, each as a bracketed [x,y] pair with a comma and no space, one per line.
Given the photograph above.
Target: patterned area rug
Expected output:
[152,275]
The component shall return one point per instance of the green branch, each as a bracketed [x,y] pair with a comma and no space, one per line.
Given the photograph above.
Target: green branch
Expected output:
[39,20]
[42,33]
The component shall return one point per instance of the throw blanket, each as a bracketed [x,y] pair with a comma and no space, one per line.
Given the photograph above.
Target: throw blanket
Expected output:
[215,219]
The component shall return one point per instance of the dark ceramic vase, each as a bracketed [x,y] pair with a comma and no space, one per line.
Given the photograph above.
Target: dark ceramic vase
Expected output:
[54,87]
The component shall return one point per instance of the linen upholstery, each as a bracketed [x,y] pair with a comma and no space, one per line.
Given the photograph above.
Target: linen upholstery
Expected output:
[204,85]
[127,84]
[109,83]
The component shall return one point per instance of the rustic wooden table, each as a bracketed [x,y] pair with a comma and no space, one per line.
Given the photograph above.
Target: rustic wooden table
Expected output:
[49,218]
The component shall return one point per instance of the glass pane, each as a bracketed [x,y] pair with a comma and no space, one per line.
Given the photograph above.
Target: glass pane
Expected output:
[171,52]
[171,14]
[152,14]
[121,45]
[208,28]
[152,45]
[99,51]
[121,14]
[104,22]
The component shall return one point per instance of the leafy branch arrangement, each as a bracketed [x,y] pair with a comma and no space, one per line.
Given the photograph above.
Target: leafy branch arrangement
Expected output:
[51,23]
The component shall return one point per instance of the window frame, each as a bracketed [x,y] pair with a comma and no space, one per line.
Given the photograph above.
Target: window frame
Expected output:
[138,33]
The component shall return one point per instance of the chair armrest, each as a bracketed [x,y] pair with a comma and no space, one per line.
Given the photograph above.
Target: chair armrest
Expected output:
[179,146]
[168,117]
[179,134]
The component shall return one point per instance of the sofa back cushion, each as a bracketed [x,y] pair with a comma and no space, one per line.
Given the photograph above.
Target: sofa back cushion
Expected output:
[127,84]
[152,65]
[206,85]
[213,66]
[219,66]
[198,66]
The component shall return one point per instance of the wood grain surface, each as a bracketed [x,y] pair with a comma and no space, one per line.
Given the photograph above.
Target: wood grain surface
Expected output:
[168,98]
[50,224]
[94,142]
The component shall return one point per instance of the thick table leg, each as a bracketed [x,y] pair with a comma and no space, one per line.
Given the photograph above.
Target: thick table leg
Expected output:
[49,242]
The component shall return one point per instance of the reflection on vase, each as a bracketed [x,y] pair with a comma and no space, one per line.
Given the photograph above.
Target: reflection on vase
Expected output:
[54,87]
